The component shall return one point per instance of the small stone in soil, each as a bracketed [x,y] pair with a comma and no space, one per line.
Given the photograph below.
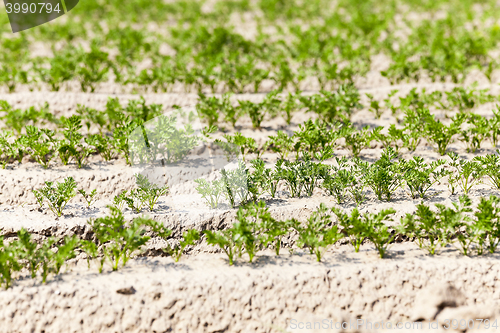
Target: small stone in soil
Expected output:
[126,291]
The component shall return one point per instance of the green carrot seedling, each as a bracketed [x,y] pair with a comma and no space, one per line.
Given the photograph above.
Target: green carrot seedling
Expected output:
[89,197]
[384,176]
[318,235]
[188,238]
[419,176]
[57,196]
[464,173]
[9,263]
[491,168]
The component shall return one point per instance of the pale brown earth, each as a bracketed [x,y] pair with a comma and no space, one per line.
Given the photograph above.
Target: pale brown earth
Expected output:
[202,293]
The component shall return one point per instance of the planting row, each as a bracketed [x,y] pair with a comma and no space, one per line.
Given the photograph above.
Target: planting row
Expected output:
[349,180]
[345,180]
[368,20]
[338,105]
[329,106]
[235,74]
[315,136]
[58,195]
[116,124]
[432,229]
[115,240]
[209,53]
[70,145]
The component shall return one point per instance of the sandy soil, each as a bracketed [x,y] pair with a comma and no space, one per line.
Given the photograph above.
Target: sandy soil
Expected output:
[203,293]
[273,294]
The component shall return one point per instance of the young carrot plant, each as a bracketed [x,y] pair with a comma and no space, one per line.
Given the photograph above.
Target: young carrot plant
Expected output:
[387,101]
[334,106]
[356,140]
[441,135]
[318,233]
[392,138]
[339,184]
[92,253]
[188,238]
[57,196]
[40,144]
[121,240]
[257,179]
[384,176]
[377,231]
[494,125]
[9,263]
[289,172]
[62,67]
[28,251]
[491,167]
[228,240]
[93,67]
[314,136]
[457,223]
[247,145]
[466,173]
[64,252]
[8,149]
[281,143]
[289,106]
[89,197]
[374,107]
[271,104]
[353,226]
[236,185]
[135,200]
[211,192]
[121,136]
[149,192]
[72,145]
[488,224]
[427,227]
[414,122]
[310,173]
[338,181]
[208,109]
[357,191]
[419,176]
[248,229]
[102,144]
[476,133]
[119,200]
[271,231]
[45,256]
[255,111]
[266,179]
[357,187]
[231,113]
